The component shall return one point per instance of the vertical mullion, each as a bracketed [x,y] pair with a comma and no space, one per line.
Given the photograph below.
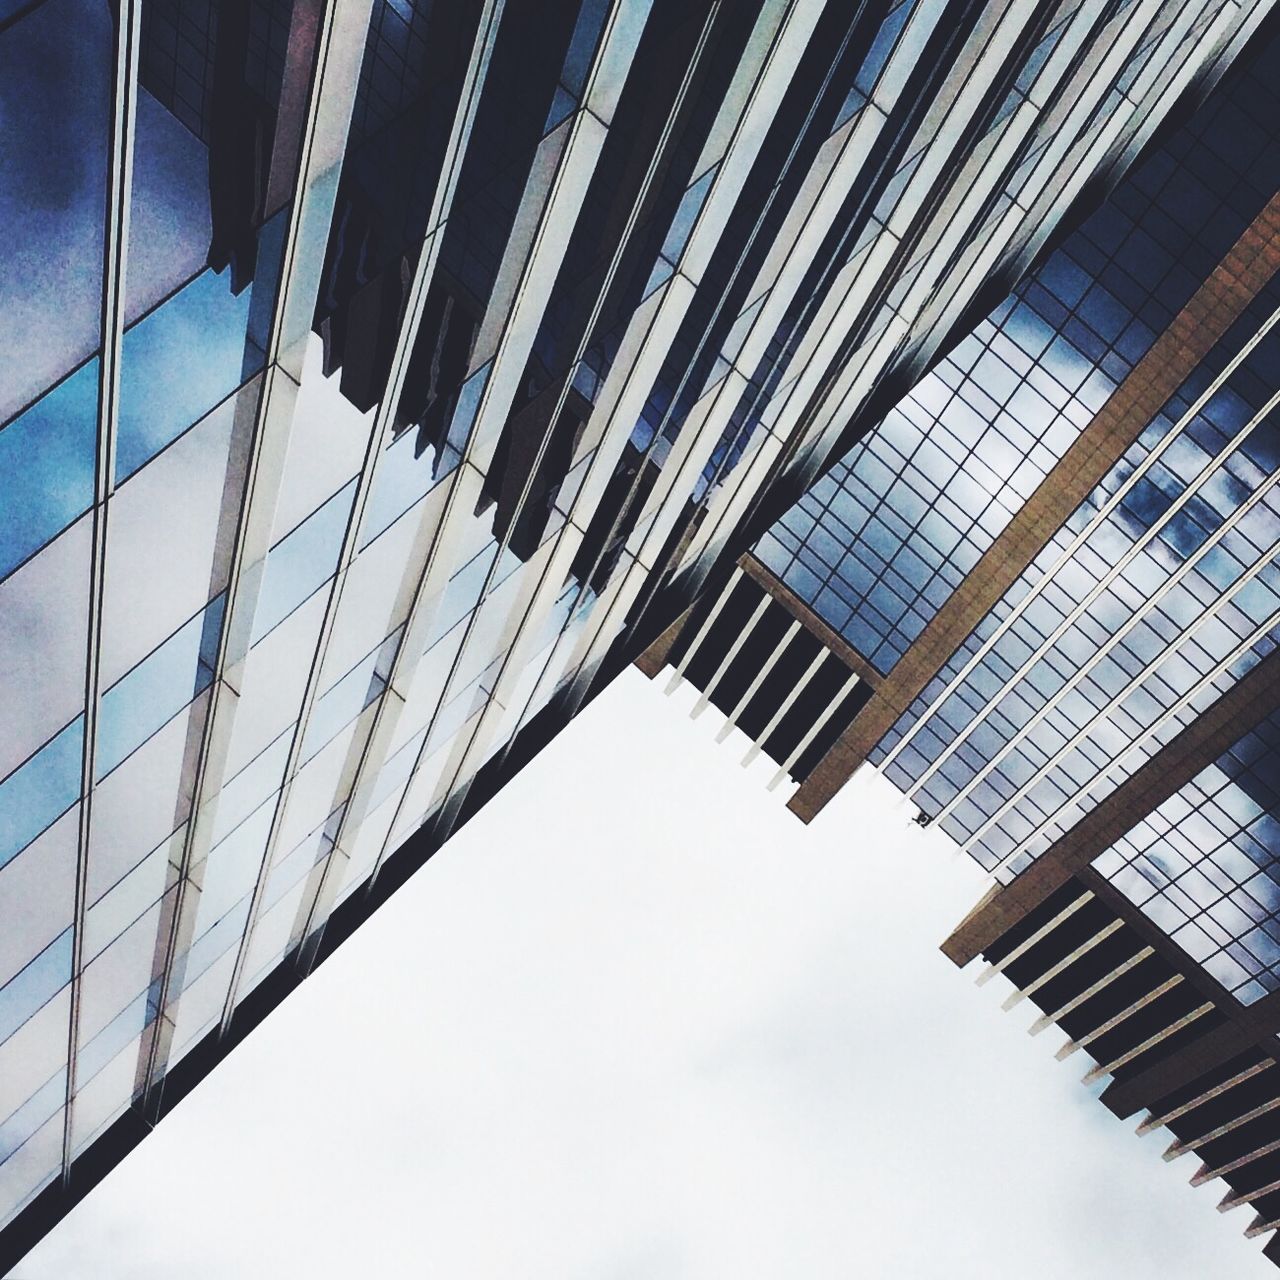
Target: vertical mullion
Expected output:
[757,83]
[124,102]
[578,154]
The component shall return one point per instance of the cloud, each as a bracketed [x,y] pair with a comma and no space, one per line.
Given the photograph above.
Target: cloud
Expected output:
[636,1021]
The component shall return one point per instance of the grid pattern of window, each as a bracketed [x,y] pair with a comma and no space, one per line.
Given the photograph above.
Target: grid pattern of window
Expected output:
[178,47]
[178,43]
[1157,578]
[394,65]
[1205,865]
[961,237]
[880,542]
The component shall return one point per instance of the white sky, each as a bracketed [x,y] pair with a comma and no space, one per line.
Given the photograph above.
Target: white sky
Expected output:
[636,1021]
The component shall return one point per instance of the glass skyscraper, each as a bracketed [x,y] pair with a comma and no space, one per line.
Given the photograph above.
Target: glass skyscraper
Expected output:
[383,376]
[1040,592]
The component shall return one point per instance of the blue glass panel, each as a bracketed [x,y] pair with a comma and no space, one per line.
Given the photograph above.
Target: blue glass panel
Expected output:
[461,595]
[202,341]
[686,215]
[464,415]
[266,283]
[46,466]
[878,54]
[35,985]
[157,688]
[1205,865]
[124,1027]
[401,479]
[586,34]
[301,561]
[55,69]
[395,773]
[293,868]
[169,221]
[33,1113]
[233,866]
[40,790]
[178,362]
[661,273]
[343,702]
[562,106]
[216,941]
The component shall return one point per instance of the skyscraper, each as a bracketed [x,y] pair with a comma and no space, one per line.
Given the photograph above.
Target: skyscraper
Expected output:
[1041,595]
[384,376]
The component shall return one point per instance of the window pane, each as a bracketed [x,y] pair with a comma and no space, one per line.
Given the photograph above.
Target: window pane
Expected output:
[143,801]
[177,363]
[55,67]
[157,688]
[113,981]
[44,618]
[46,464]
[35,1165]
[300,562]
[31,989]
[45,874]
[184,501]
[31,1056]
[39,791]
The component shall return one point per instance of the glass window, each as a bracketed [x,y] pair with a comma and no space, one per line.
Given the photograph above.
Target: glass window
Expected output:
[370,596]
[33,986]
[44,876]
[46,464]
[113,981]
[342,703]
[104,1098]
[201,1005]
[112,913]
[139,804]
[38,1163]
[55,70]
[29,1118]
[177,363]
[260,778]
[220,940]
[326,444]
[230,871]
[44,618]
[314,795]
[274,678]
[124,1029]
[40,790]
[157,688]
[37,1051]
[300,563]
[273,934]
[186,500]
[169,223]
[403,476]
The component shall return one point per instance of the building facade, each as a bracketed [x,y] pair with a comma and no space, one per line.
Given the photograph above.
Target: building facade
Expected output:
[382,377]
[1041,595]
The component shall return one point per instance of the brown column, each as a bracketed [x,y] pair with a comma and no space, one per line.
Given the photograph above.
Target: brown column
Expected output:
[654,658]
[1218,302]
